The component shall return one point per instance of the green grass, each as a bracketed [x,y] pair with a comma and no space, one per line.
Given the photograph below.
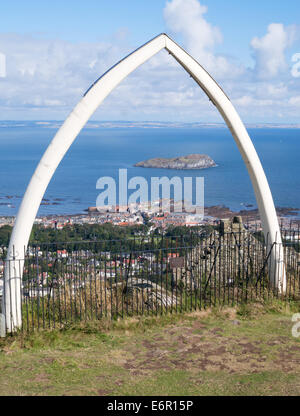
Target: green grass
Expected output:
[247,350]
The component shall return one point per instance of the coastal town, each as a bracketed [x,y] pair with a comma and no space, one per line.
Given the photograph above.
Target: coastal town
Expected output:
[157,217]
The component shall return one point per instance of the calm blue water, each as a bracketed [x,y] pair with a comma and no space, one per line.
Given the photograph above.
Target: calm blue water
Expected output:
[102,151]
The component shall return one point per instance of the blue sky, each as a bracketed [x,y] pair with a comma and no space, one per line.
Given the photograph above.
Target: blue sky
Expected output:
[55,49]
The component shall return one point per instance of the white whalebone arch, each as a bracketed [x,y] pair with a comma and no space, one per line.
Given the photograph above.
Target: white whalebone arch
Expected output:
[76,121]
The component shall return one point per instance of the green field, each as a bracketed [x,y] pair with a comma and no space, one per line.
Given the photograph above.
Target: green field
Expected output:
[244,351]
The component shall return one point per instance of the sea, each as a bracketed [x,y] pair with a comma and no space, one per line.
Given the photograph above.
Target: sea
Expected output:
[101,149]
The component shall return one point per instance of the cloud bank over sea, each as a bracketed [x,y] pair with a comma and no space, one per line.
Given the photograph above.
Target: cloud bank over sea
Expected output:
[45,77]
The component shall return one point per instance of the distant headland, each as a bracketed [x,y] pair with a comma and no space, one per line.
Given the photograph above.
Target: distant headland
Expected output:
[193,161]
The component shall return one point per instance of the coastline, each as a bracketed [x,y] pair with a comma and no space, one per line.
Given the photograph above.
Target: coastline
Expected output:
[211,214]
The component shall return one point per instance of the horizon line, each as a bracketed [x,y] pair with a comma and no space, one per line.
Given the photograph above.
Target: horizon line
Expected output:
[151,121]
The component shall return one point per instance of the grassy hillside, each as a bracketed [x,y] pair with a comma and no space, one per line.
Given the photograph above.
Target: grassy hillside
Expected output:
[245,351]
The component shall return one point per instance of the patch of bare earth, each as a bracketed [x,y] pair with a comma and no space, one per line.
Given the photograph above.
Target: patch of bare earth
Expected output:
[41,378]
[198,347]
[102,392]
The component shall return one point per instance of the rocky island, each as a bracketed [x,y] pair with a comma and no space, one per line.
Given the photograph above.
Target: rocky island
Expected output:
[194,161]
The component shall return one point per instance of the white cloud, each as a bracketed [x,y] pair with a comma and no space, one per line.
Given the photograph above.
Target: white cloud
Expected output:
[295,71]
[295,101]
[186,18]
[51,73]
[276,90]
[269,51]
[247,101]
[47,77]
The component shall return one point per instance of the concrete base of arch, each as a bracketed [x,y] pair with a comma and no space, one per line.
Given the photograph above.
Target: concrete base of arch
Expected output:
[76,121]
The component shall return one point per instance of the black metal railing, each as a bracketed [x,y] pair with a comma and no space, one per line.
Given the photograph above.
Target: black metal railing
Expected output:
[87,280]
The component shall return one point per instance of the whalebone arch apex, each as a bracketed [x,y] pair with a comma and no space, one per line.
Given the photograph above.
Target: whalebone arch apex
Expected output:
[77,119]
